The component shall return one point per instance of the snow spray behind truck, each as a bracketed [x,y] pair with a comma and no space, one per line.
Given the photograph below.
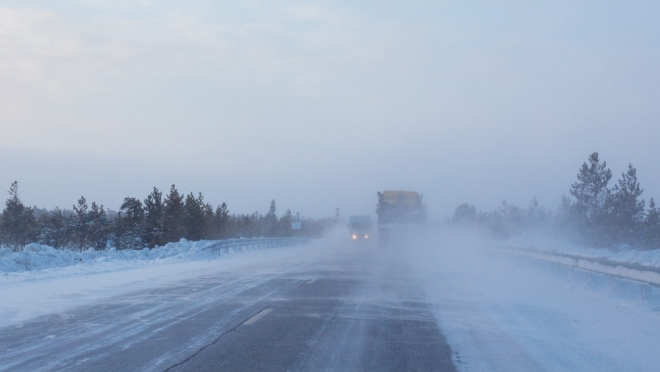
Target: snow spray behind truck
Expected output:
[398,213]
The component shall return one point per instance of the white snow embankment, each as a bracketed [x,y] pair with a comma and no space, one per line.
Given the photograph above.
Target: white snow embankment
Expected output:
[38,257]
[627,263]
[41,280]
[501,315]
[639,274]
[621,255]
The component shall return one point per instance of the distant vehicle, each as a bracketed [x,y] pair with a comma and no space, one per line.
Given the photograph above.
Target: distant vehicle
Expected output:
[359,227]
[398,210]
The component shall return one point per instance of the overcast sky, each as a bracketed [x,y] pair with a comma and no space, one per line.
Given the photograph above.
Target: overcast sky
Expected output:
[319,104]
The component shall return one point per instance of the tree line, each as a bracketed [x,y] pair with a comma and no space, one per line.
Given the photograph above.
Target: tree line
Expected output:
[593,213]
[154,221]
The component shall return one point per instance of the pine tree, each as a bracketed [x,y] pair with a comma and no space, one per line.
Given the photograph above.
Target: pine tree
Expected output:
[272,210]
[99,226]
[194,220]
[154,218]
[79,223]
[129,224]
[53,229]
[464,214]
[209,217]
[652,226]
[511,219]
[537,215]
[566,219]
[221,222]
[17,220]
[591,192]
[269,227]
[249,225]
[624,209]
[173,216]
[44,231]
[284,224]
[244,226]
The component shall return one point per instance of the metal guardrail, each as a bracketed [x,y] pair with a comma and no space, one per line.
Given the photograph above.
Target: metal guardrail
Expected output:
[241,245]
[634,272]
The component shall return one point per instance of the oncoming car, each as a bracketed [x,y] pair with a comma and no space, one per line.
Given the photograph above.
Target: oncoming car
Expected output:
[359,227]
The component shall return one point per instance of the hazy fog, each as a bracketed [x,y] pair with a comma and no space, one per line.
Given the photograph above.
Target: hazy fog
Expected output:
[320,104]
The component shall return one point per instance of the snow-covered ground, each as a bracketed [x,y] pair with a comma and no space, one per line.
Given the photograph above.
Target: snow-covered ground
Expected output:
[499,312]
[37,257]
[624,254]
[41,280]
[502,312]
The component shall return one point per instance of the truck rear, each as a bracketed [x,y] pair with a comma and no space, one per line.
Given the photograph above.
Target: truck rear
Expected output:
[398,211]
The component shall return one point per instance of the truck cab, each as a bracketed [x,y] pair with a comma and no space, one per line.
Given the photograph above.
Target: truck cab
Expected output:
[359,227]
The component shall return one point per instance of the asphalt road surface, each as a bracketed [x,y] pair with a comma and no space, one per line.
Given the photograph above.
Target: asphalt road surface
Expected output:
[347,308]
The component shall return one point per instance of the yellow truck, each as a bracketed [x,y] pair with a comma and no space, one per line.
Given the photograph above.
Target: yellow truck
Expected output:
[399,208]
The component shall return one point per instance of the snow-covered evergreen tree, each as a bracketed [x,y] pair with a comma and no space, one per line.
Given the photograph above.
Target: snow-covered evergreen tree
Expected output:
[464,214]
[272,210]
[269,226]
[99,226]
[591,192]
[53,229]
[651,226]
[284,224]
[173,216]
[79,223]
[220,222]
[194,220]
[129,225]
[18,222]
[154,218]
[537,216]
[209,218]
[625,210]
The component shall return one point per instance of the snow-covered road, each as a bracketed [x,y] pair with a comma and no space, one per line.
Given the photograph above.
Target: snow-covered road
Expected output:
[74,320]
[63,280]
[506,313]
[378,308]
[325,306]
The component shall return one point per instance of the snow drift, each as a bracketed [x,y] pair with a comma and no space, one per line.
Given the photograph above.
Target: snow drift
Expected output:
[38,257]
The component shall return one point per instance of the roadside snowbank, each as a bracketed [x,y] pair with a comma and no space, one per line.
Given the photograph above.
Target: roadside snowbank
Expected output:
[504,314]
[54,290]
[622,255]
[38,257]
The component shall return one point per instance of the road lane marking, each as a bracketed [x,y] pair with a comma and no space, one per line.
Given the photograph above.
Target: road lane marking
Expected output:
[258,316]
[311,281]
